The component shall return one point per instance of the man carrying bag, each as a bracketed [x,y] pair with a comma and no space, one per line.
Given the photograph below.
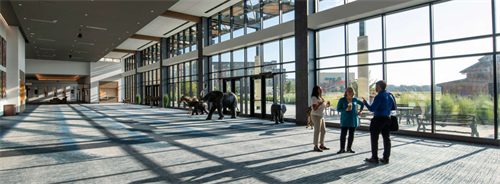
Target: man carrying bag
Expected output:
[381,122]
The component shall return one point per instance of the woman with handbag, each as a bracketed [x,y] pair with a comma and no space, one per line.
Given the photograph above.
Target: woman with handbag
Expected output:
[349,120]
[318,105]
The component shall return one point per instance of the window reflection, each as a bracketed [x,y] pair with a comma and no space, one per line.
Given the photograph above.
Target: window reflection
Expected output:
[270,13]
[225,29]
[252,8]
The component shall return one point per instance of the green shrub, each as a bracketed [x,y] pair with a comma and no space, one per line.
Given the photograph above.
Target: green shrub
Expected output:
[466,106]
[166,100]
[138,98]
[446,104]
[484,109]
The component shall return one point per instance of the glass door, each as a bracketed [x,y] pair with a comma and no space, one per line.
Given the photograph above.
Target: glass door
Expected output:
[269,94]
[257,96]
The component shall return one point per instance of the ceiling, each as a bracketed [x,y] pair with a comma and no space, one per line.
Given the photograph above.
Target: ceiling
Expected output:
[162,25]
[54,41]
[121,20]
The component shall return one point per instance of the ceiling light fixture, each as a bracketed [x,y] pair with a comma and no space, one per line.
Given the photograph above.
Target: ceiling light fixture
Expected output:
[20,4]
[85,43]
[80,34]
[44,39]
[98,28]
[45,21]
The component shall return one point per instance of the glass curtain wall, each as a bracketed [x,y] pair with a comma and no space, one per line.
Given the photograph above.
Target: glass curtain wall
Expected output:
[329,4]
[130,82]
[439,65]
[255,14]
[183,42]
[150,55]
[182,81]
[263,57]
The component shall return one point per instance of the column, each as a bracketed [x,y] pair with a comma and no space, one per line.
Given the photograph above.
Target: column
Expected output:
[304,57]
[138,62]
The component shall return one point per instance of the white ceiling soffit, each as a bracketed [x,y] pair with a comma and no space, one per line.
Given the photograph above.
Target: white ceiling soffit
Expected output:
[199,7]
[132,44]
[188,25]
[115,55]
[161,25]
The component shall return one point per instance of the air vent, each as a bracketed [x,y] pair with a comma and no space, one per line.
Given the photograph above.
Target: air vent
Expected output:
[218,6]
[98,28]
[45,21]
[44,39]
[47,49]
[144,45]
[82,43]
[176,28]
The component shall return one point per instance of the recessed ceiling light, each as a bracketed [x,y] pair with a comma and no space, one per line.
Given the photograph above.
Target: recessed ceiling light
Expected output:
[98,28]
[112,44]
[138,22]
[20,4]
[24,18]
[81,25]
[127,31]
[45,21]
[119,38]
[75,40]
[152,11]
[33,42]
[28,28]
[73,45]
[86,15]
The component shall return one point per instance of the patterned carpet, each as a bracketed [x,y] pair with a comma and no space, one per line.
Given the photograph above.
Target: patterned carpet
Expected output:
[90,143]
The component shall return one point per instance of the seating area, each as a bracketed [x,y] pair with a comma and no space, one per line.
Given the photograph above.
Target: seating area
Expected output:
[56,100]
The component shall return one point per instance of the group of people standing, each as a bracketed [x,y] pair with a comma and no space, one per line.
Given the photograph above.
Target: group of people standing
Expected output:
[349,120]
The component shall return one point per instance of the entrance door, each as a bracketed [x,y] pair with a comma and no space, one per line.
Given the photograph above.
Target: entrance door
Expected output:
[234,85]
[262,96]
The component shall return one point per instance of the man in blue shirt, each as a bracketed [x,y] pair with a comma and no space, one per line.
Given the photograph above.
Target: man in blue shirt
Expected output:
[381,108]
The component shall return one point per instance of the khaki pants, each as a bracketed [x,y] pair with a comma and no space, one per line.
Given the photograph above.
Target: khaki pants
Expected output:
[319,125]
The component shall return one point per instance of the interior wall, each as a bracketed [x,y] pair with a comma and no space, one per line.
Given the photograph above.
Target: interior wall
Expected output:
[3,33]
[40,97]
[52,67]
[105,71]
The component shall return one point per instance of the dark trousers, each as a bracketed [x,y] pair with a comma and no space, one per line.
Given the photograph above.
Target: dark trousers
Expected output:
[343,134]
[380,125]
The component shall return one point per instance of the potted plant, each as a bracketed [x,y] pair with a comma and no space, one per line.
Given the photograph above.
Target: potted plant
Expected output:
[166,100]
[138,99]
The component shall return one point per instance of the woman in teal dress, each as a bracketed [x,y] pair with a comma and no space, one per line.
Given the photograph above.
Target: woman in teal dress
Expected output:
[349,119]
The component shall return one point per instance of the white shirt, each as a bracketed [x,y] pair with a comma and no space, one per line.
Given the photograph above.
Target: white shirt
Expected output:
[321,108]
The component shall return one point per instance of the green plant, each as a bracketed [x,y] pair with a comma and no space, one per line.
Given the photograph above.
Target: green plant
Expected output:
[138,98]
[446,105]
[484,109]
[466,106]
[166,100]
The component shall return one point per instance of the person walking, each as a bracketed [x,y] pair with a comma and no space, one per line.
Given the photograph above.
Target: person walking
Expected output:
[349,120]
[317,118]
[381,108]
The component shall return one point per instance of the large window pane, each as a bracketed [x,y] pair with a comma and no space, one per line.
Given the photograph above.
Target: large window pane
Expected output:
[288,7]
[461,18]
[464,101]
[225,29]
[271,13]
[238,59]
[327,4]
[365,35]
[271,52]
[463,47]
[253,15]
[408,53]
[366,58]
[193,38]
[408,27]
[289,94]
[331,62]
[410,83]
[289,49]
[225,61]
[194,65]
[182,39]
[214,29]
[238,20]
[332,82]
[215,63]
[331,41]
[290,67]
[253,56]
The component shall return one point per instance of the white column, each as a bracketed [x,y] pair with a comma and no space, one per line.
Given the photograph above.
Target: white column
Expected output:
[363,71]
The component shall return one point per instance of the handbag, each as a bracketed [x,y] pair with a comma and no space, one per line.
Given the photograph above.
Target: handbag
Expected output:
[394,123]
[394,119]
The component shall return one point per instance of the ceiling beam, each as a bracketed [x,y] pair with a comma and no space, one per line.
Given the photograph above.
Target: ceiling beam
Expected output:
[145,37]
[181,16]
[124,51]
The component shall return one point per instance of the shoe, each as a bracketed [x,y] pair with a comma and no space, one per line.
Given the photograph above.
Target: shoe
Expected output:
[317,149]
[350,151]
[340,151]
[384,161]
[324,148]
[372,160]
